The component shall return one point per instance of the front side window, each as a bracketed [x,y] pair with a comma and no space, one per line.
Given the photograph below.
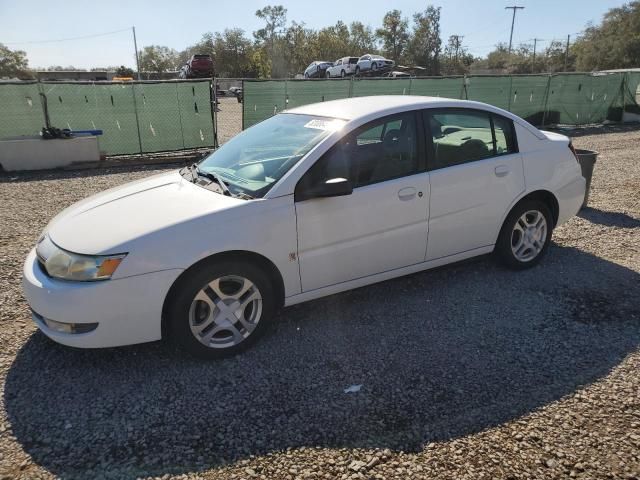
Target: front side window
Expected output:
[382,150]
[254,160]
[461,136]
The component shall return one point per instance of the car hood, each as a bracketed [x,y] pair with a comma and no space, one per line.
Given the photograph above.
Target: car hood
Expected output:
[105,223]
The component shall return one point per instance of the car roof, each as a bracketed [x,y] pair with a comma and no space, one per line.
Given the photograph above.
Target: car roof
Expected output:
[367,108]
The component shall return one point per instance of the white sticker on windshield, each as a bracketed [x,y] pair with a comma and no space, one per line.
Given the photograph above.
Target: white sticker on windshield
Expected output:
[328,124]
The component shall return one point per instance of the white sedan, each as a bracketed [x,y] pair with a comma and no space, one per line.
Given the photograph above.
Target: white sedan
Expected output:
[311,202]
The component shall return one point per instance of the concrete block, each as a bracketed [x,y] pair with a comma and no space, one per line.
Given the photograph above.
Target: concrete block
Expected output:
[34,153]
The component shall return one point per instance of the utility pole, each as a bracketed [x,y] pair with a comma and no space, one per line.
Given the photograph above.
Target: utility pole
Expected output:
[135,46]
[566,54]
[513,21]
[535,45]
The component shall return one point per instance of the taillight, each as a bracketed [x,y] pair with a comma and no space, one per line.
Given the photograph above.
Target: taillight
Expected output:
[573,150]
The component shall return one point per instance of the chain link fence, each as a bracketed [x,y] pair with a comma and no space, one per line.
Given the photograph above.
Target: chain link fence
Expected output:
[543,100]
[160,116]
[134,117]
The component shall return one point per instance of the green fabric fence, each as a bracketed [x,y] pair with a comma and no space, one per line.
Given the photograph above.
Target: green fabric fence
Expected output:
[544,100]
[134,117]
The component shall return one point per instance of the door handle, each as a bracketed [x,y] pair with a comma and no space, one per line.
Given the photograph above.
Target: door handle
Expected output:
[407,193]
[501,170]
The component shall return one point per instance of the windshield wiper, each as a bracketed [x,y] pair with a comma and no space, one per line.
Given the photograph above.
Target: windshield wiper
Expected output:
[214,177]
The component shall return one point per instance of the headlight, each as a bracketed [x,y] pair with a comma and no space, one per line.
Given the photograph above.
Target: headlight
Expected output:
[71,266]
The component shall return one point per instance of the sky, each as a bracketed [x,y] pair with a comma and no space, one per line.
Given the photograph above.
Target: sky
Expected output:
[38,26]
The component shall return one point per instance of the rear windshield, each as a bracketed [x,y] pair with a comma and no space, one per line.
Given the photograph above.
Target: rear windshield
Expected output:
[353,60]
[202,57]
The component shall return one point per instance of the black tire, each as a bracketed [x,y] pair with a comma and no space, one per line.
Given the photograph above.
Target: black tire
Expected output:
[306,75]
[179,305]
[357,71]
[327,74]
[504,246]
[343,73]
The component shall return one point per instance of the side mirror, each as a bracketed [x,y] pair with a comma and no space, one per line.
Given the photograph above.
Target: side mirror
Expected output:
[334,187]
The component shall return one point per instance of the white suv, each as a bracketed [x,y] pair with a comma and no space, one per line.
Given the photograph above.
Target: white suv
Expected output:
[342,67]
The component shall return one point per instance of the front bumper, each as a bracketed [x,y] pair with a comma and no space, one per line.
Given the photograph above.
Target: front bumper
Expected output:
[127,310]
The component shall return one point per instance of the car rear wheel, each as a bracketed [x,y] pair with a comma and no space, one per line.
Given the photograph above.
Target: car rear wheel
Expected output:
[343,74]
[525,235]
[306,75]
[357,71]
[374,66]
[221,308]
[327,74]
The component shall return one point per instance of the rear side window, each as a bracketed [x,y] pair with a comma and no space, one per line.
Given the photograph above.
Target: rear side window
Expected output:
[505,135]
[353,60]
[460,136]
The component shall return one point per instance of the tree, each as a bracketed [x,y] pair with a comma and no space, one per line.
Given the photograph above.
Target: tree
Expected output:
[394,34]
[123,71]
[158,59]
[457,59]
[300,46]
[13,63]
[615,43]
[333,42]
[68,68]
[425,45]
[269,37]
[498,59]
[361,39]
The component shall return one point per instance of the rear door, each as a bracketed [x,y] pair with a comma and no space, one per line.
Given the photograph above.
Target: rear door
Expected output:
[476,172]
[382,225]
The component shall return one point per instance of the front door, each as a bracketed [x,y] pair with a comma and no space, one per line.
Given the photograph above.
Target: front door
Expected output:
[382,225]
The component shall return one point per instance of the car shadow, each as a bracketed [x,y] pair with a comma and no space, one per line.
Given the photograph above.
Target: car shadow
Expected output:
[609,219]
[439,355]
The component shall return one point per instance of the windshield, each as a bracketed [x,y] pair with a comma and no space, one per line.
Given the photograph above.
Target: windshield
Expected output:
[251,162]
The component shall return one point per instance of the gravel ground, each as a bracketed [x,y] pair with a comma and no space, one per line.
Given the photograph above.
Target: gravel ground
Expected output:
[469,371]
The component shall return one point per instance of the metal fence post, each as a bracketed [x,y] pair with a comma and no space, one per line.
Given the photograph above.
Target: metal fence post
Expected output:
[410,83]
[510,91]
[180,115]
[286,95]
[45,105]
[135,109]
[244,104]
[213,100]
[624,88]
[546,100]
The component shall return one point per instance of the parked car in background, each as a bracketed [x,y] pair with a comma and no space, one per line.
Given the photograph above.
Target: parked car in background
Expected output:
[396,74]
[373,63]
[342,67]
[199,66]
[308,203]
[316,69]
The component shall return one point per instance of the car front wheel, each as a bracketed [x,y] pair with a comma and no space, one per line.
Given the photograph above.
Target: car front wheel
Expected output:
[221,308]
[525,235]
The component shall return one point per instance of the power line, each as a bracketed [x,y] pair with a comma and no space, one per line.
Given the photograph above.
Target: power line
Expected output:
[67,39]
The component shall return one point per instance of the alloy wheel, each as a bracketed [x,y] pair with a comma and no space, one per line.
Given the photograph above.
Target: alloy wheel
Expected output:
[225,311]
[529,235]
